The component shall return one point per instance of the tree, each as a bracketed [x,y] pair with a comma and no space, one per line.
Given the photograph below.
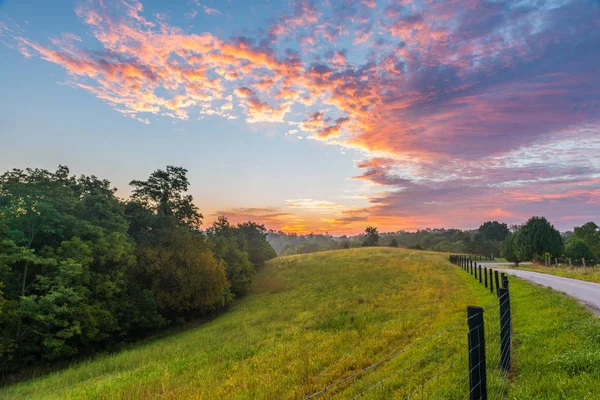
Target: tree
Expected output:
[508,248]
[163,194]
[494,230]
[394,243]
[183,274]
[259,249]
[578,249]
[371,236]
[65,260]
[590,234]
[230,247]
[537,237]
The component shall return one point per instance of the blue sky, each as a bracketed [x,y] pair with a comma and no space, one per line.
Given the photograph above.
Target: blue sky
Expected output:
[312,116]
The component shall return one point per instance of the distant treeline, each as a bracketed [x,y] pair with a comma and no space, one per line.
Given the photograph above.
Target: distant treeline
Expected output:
[535,240]
[485,240]
[83,271]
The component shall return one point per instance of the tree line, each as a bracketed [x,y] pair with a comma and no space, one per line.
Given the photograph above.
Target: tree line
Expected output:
[538,240]
[83,271]
[484,240]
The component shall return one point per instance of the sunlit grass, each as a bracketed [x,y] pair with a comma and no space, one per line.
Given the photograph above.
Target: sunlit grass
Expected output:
[311,320]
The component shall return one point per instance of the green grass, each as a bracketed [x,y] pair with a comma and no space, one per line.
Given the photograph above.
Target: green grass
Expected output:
[590,274]
[314,319]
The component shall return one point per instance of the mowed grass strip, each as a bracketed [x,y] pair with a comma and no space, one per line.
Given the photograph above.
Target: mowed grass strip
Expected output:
[590,274]
[310,320]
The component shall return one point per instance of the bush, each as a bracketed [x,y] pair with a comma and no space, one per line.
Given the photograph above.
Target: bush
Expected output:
[578,249]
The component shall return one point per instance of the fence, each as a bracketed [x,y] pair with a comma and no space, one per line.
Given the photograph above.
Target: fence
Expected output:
[469,359]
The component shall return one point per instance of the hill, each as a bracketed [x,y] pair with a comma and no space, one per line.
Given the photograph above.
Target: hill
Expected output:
[314,319]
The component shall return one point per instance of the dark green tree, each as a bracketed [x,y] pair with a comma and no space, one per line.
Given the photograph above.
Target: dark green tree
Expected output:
[259,249]
[536,238]
[590,234]
[163,193]
[578,249]
[494,231]
[371,236]
[508,248]
[230,247]
[394,243]
[64,264]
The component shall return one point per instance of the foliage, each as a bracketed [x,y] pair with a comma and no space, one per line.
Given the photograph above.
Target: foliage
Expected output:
[394,243]
[82,271]
[578,249]
[446,240]
[537,237]
[494,231]
[371,236]
[508,248]
[163,194]
[259,249]
[590,234]
[64,262]
[231,248]
[183,274]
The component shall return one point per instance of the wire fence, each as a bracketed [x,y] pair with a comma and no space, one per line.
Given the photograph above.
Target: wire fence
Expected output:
[469,359]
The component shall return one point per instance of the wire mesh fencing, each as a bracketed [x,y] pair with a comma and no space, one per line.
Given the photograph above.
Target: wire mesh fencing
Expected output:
[466,360]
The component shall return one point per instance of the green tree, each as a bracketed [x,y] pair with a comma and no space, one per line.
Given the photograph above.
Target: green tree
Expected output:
[371,236]
[394,243]
[578,249]
[508,248]
[259,249]
[163,194]
[590,234]
[64,262]
[536,237]
[494,231]
[183,274]
[230,247]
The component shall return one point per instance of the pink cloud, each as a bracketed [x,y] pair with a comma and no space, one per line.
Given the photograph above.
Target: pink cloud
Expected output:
[449,101]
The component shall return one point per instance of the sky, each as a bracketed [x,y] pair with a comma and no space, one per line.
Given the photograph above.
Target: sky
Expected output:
[316,116]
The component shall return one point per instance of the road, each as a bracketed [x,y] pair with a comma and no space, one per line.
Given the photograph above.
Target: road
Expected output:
[586,292]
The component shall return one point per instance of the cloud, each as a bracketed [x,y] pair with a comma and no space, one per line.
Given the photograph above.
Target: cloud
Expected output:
[453,106]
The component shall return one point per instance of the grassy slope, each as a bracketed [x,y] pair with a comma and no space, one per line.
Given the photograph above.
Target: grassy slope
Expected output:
[316,318]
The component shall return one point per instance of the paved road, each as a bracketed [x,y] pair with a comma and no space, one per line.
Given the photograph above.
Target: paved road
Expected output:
[586,292]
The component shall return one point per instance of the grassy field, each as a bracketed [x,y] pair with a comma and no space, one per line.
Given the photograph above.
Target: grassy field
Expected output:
[312,320]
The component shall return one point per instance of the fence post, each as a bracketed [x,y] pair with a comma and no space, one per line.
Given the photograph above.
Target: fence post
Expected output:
[479,273]
[485,275]
[497,283]
[583,262]
[476,337]
[505,327]
[502,277]
[491,280]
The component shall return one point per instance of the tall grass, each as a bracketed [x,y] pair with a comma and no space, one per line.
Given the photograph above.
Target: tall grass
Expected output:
[314,319]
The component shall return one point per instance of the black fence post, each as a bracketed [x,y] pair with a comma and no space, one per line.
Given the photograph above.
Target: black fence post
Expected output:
[485,274]
[476,337]
[497,283]
[505,328]
[479,273]
[504,279]
[491,280]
